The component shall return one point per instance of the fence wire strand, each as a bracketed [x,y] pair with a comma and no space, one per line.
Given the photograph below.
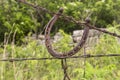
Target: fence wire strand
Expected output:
[52,58]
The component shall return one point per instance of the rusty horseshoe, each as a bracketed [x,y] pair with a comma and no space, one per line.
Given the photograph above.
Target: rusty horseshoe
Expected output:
[48,43]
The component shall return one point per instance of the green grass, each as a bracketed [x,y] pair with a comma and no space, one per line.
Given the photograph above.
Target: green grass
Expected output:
[106,68]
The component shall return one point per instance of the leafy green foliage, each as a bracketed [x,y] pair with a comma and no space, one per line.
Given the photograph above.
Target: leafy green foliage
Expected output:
[96,68]
[66,46]
[17,18]
[23,20]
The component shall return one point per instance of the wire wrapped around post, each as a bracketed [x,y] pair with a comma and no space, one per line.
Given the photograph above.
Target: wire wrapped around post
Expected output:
[48,43]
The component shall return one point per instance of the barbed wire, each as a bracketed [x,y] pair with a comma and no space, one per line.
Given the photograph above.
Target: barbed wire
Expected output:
[72,57]
[68,18]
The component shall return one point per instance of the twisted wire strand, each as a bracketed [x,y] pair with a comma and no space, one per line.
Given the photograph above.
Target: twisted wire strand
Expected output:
[53,58]
[64,67]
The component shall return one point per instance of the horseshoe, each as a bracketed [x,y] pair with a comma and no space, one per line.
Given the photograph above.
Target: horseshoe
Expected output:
[48,43]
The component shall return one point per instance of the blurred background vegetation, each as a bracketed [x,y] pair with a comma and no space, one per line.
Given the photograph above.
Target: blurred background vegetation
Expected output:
[24,19]
[18,20]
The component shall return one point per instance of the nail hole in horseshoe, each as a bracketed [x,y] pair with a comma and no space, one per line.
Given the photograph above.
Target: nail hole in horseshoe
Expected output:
[48,46]
[46,32]
[75,49]
[46,39]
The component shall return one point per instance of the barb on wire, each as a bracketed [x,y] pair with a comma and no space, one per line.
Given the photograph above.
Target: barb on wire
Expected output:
[68,18]
[51,58]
